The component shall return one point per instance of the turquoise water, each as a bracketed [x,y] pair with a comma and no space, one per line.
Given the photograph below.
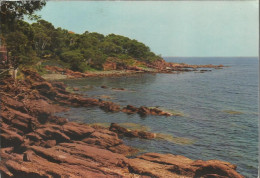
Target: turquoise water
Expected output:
[219,110]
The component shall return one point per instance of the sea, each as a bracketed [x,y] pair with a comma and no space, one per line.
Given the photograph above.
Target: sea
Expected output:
[215,112]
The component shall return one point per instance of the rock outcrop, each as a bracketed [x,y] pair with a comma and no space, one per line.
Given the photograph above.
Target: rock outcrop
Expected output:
[168,165]
[144,111]
[168,67]
[121,131]
[35,143]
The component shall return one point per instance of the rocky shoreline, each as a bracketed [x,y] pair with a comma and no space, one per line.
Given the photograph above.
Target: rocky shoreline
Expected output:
[36,143]
[159,66]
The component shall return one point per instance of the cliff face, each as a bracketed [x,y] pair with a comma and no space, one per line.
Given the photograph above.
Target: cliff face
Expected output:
[35,143]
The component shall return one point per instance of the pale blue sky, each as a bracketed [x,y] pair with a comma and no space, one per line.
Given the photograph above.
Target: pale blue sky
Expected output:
[169,28]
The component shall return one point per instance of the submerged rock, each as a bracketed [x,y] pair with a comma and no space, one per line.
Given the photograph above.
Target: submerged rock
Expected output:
[175,139]
[119,89]
[134,126]
[144,111]
[233,112]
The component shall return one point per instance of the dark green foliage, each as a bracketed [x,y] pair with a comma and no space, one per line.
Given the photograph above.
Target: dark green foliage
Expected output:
[17,35]
[19,44]
[41,40]
[45,38]
[75,59]
[15,10]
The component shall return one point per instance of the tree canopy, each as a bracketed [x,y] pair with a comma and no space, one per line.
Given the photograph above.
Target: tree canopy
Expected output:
[11,10]
[16,34]
[42,41]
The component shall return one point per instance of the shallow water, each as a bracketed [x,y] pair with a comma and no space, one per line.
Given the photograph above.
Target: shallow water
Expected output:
[219,110]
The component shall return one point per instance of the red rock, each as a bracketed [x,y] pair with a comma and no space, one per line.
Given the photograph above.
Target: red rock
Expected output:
[109,106]
[58,120]
[135,68]
[11,102]
[121,131]
[167,165]
[33,76]
[43,110]
[34,137]
[50,132]
[159,64]
[109,66]
[77,131]
[22,171]
[102,140]
[117,129]
[50,143]
[10,138]
[17,119]
[58,148]
[130,109]
[216,167]
[146,135]
[68,160]
[59,85]
[156,111]
[143,111]
[120,89]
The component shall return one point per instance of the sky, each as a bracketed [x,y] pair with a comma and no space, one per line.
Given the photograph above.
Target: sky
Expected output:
[169,28]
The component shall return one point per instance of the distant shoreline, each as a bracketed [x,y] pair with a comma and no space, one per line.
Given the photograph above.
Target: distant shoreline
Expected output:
[57,73]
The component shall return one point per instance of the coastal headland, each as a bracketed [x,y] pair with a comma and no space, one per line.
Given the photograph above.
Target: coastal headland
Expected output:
[114,69]
[36,143]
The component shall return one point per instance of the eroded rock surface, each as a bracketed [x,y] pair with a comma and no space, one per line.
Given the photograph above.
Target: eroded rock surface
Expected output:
[35,143]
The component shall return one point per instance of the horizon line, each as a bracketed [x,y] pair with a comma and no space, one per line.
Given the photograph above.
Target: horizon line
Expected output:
[214,56]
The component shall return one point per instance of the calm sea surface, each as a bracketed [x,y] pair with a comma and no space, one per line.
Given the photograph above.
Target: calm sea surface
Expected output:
[218,110]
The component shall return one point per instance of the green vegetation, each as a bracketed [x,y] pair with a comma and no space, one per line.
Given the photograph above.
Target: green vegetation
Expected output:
[28,44]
